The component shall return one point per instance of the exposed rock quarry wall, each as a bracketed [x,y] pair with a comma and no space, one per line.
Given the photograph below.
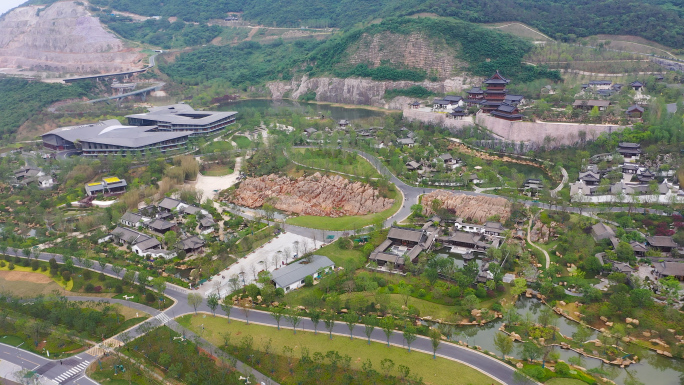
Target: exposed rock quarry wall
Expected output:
[331,196]
[471,208]
[64,37]
[361,91]
[412,51]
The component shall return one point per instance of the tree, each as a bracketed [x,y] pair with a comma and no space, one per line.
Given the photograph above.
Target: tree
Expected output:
[410,335]
[670,287]
[294,319]
[102,263]
[582,335]
[435,339]
[530,351]
[277,314]
[351,319]
[503,343]
[387,325]
[170,238]
[315,317]
[329,321]
[143,277]
[519,286]
[625,253]
[117,270]
[194,300]
[369,323]
[227,306]
[213,302]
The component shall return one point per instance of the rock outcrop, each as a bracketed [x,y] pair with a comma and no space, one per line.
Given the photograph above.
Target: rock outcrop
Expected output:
[471,208]
[414,50]
[362,91]
[62,37]
[331,196]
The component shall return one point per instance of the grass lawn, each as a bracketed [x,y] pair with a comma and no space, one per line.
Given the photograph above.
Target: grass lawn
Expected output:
[20,274]
[564,381]
[11,340]
[106,375]
[241,141]
[217,170]
[359,167]
[439,371]
[352,222]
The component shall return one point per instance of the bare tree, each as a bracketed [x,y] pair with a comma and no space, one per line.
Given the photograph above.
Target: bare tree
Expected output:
[253,268]
[276,259]
[287,253]
[295,245]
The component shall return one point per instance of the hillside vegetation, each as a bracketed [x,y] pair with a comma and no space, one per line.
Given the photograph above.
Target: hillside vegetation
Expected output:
[21,99]
[657,20]
[481,50]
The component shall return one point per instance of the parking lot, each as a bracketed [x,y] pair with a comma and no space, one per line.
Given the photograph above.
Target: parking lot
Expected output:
[282,249]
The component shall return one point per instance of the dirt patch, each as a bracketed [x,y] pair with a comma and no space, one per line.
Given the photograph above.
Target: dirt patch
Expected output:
[25,276]
[471,208]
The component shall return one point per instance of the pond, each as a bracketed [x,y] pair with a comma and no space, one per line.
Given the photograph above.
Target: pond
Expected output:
[651,369]
[308,108]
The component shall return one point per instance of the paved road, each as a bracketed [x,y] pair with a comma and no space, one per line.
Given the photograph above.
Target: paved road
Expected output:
[482,362]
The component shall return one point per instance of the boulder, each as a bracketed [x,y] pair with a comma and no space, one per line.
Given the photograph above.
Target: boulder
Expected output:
[604,319]
[635,322]
[628,320]
[609,324]
[646,334]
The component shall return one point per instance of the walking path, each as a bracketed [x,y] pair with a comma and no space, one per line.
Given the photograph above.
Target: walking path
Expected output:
[529,231]
[562,184]
[484,363]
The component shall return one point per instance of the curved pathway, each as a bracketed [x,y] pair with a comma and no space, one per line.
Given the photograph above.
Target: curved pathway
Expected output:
[475,359]
[529,231]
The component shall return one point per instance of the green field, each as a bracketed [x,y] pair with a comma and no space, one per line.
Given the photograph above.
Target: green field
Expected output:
[439,371]
[564,381]
[349,164]
[352,222]
[242,141]
[218,171]
[11,340]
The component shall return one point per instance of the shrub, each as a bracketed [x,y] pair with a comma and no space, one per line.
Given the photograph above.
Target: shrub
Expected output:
[87,275]
[43,267]
[279,292]
[89,287]
[382,282]
[102,277]
[98,289]
[53,263]
[535,372]
[308,281]
[8,258]
[497,307]
[17,260]
[54,272]
[119,288]
[390,288]
[2,264]
[66,275]
[421,293]
[345,243]
[562,368]
[11,266]
[25,263]
[150,297]
[35,265]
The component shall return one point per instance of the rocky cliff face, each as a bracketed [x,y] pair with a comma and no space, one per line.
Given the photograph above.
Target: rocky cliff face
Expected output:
[471,208]
[412,51]
[63,37]
[362,91]
[331,196]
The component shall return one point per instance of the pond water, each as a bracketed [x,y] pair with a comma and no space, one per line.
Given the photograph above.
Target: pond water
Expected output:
[308,108]
[651,369]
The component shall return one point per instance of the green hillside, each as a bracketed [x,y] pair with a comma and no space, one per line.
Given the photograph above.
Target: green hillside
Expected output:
[657,20]
[249,63]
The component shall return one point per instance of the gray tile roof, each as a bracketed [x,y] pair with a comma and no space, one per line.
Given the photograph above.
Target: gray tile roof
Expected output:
[111,132]
[147,244]
[403,234]
[169,203]
[193,242]
[131,217]
[182,114]
[207,221]
[297,271]
[159,225]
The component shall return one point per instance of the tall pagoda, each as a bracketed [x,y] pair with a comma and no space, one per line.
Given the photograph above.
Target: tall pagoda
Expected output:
[495,92]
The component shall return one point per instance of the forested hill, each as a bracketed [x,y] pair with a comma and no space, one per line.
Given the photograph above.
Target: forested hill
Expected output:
[480,50]
[658,20]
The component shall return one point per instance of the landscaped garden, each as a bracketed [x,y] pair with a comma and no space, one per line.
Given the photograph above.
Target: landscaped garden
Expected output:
[352,359]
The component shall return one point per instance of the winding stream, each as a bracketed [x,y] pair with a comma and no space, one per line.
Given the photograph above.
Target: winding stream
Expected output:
[651,369]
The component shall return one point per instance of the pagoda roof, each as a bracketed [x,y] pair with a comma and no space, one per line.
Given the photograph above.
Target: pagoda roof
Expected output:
[497,78]
[476,90]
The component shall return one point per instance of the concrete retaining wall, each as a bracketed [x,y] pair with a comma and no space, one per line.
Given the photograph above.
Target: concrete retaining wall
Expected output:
[437,119]
[559,133]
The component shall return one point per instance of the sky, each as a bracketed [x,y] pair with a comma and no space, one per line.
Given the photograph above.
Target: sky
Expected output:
[6,5]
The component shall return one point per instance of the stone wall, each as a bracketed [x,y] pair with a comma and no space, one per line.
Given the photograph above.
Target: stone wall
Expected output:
[530,132]
[437,119]
[560,133]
